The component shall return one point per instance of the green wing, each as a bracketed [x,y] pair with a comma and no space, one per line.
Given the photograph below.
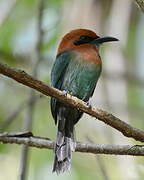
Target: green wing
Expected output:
[59,68]
[57,74]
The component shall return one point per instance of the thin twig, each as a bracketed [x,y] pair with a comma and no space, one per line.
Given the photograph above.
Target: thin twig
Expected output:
[28,121]
[46,143]
[4,125]
[27,126]
[14,114]
[24,78]
[5,16]
[100,163]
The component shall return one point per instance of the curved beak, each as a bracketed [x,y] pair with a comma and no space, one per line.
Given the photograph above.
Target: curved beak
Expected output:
[101,40]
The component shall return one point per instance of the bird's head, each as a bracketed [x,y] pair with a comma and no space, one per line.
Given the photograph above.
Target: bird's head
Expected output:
[79,38]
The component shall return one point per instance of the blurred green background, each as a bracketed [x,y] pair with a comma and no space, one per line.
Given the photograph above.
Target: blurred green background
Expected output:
[30,31]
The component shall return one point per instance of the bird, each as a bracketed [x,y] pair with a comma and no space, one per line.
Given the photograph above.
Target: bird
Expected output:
[76,71]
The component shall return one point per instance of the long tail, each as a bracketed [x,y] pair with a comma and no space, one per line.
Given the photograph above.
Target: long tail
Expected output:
[63,152]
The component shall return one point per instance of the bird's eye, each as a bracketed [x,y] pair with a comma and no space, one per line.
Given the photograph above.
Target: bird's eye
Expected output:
[85,38]
[82,37]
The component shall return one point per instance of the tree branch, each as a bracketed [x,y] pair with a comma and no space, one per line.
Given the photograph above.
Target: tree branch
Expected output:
[23,78]
[140,4]
[39,142]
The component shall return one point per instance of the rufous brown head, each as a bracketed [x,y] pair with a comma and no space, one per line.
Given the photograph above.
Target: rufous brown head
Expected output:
[78,38]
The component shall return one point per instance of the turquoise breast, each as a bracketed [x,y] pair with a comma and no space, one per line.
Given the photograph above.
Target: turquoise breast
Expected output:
[81,77]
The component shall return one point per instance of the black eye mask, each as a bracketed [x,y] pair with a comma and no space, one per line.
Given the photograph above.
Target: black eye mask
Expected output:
[84,40]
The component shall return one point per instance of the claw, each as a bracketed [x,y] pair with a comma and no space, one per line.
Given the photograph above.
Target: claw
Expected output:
[88,104]
[65,93]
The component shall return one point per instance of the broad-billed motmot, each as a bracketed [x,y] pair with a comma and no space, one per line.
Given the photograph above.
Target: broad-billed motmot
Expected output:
[76,71]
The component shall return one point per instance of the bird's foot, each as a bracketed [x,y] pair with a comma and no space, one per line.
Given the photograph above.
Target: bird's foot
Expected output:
[65,93]
[88,103]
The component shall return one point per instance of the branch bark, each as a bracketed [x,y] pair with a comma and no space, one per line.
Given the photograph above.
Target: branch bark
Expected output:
[27,80]
[39,142]
[140,4]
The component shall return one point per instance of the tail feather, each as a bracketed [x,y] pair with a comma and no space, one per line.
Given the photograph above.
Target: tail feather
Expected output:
[63,153]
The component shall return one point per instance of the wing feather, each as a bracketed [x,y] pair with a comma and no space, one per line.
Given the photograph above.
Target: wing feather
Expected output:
[57,74]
